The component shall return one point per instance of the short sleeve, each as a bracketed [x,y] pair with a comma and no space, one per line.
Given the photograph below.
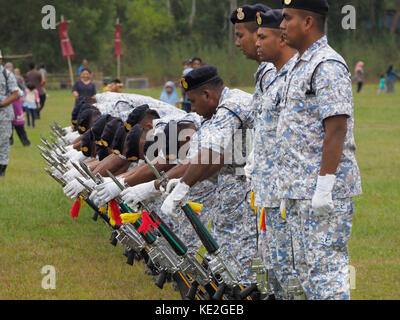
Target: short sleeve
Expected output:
[76,87]
[218,135]
[334,92]
[12,83]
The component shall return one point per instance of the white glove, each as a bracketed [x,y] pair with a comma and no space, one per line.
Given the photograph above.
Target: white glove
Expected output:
[71,175]
[79,157]
[71,137]
[322,202]
[177,196]
[249,168]
[132,196]
[69,148]
[71,153]
[171,185]
[107,191]
[74,188]
[68,129]
[56,173]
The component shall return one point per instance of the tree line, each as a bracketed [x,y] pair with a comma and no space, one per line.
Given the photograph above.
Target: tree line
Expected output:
[157,35]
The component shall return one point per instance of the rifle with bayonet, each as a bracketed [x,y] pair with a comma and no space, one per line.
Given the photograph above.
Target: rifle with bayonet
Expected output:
[175,261]
[224,268]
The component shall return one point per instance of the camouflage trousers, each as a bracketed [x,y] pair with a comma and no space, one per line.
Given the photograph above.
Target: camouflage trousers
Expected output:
[320,248]
[275,250]
[5,134]
[234,223]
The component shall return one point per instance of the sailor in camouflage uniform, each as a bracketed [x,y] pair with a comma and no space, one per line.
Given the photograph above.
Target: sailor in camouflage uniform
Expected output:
[9,93]
[227,113]
[274,244]
[318,172]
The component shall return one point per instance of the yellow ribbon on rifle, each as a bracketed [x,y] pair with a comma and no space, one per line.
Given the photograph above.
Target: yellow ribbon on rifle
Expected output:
[253,200]
[130,217]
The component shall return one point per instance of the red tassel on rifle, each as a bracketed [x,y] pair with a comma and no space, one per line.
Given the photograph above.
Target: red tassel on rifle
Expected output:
[75,209]
[115,212]
[147,223]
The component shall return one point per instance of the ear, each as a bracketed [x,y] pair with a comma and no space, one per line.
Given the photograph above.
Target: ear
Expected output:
[207,93]
[308,23]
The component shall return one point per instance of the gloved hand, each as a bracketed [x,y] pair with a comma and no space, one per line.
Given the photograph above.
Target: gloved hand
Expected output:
[132,196]
[68,129]
[71,153]
[107,191]
[79,157]
[249,168]
[322,202]
[171,185]
[69,148]
[74,188]
[175,199]
[56,173]
[71,137]
[71,175]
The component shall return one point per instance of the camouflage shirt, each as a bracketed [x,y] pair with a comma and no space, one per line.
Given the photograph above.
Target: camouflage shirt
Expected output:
[318,87]
[7,112]
[267,112]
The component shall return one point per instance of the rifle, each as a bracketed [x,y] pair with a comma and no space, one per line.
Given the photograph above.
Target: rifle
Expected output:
[224,268]
[175,261]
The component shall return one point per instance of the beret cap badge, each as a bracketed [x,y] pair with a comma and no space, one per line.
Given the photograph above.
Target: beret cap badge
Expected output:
[184,83]
[288,2]
[240,14]
[259,19]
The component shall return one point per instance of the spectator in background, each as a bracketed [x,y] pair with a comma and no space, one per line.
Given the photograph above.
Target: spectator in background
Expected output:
[20,79]
[196,63]
[84,87]
[83,66]
[43,71]
[115,86]
[186,105]
[32,102]
[170,94]
[382,84]
[35,78]
[391,76]
[359,75]
[19,118]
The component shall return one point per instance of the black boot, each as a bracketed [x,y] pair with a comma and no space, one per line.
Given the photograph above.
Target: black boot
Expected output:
[2,170]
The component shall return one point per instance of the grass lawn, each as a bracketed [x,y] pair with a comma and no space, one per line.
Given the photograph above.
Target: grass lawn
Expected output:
[36,230]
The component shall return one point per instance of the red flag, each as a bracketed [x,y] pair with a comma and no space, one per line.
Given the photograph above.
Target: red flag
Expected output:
[117,43]
[66,46]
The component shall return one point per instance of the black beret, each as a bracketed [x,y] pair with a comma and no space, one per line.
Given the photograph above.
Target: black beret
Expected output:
[133,143]
[99,125]
[271,19]
[75,112]
[318,6]
[248,13]
[136,116]
[102,152]
[119,141]
[171,136]
[87,143]
[199,77]
[85,118]
[109,131]
[146,147]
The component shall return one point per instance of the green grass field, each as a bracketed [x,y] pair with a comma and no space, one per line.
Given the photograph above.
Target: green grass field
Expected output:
[36,229]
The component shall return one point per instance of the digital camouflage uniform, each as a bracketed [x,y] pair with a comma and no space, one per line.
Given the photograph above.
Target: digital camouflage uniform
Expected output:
[274,245]
[319,86]
[6,114]
[233,221]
